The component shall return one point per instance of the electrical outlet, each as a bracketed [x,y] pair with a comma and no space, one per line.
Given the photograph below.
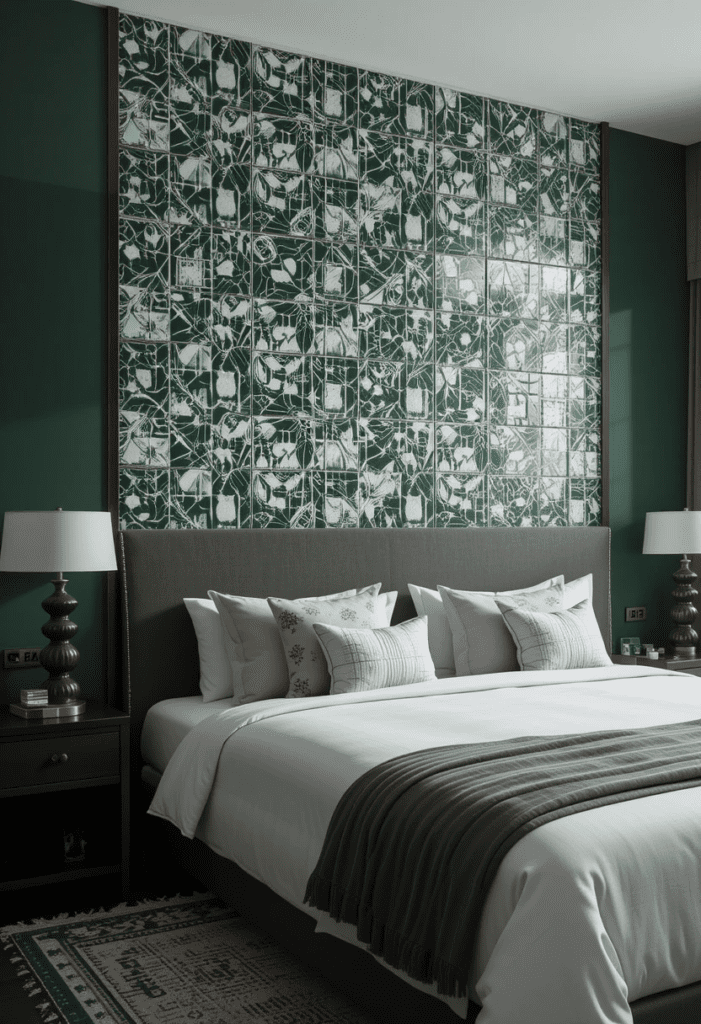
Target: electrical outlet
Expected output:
[635,614]
[21,657]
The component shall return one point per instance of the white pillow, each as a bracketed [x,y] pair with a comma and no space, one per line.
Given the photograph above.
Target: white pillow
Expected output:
[440,640]
[481,641]
[216,677]
[257,657]
[559,639]
[370,659]
[306,664]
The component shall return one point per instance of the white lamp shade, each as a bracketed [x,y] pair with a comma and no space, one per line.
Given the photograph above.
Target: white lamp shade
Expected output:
[57,542]
[672,533]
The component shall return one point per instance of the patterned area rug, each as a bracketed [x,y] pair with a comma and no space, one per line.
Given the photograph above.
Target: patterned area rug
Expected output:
[173,961]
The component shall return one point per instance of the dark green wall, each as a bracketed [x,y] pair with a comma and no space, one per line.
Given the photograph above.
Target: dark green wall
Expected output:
[52,315]
[52,180]
[649,351]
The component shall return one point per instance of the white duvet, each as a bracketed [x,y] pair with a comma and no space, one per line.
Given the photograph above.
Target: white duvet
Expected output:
[586,914]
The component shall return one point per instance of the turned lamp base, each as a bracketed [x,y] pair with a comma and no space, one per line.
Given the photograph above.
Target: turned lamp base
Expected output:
[683,640]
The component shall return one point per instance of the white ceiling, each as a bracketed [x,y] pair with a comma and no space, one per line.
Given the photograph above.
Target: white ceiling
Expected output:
[634,63]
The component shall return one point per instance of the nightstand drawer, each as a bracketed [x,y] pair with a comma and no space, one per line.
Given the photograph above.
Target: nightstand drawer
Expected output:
[47,760]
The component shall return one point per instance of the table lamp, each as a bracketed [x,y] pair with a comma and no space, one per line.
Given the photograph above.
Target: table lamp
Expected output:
[58,542]
[670,533]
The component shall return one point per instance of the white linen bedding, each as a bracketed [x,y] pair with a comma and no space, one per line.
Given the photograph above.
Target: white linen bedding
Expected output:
[586,914]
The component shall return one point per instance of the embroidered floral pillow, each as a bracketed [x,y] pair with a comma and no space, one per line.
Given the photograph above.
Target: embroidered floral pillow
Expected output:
[306,663]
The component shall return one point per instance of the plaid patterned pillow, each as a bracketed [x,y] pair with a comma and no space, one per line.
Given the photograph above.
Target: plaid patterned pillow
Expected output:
[553,639]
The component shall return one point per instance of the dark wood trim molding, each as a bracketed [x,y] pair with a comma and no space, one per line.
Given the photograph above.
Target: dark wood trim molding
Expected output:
[111,645]
[605,296]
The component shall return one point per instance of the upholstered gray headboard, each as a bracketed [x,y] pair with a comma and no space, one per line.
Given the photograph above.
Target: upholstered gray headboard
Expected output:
[160,567]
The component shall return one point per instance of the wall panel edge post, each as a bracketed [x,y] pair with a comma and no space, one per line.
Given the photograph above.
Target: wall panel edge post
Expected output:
[605,299]
[111,375]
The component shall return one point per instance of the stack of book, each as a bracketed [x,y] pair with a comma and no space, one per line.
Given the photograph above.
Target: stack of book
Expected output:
[33,698]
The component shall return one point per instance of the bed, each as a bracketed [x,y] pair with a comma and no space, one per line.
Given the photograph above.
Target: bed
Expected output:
[159,568]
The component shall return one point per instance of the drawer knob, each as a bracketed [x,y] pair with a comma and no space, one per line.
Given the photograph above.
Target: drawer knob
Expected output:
[59,758]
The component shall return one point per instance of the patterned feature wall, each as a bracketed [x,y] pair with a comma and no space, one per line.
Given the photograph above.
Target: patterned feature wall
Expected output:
[350,299]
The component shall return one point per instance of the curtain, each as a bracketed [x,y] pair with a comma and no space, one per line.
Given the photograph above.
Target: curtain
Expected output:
[693,274]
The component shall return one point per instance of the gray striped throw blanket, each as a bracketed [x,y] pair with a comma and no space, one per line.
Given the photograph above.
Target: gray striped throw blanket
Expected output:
[415,843]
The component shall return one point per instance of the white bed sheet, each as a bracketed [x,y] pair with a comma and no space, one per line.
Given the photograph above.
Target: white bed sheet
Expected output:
[585,914]
[168,723]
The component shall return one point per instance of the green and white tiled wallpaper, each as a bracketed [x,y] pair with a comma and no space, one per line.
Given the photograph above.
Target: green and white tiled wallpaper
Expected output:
[349,299]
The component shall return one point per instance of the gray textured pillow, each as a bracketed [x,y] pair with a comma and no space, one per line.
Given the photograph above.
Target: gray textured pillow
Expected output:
[370,659]
[556,639]
[306,663]
[481,641]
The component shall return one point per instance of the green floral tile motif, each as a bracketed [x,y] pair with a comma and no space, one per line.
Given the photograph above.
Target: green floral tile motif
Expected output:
[461,172]
[231,71]
[143,122]
[190,84]
[285,327]
[399,390]
[512,129]
[279,384]
[585,452]
[393,447]
[554,191]
[336,271]
[231,445]
[584,351]
[231,323]
[281,82]
[334,92]
[282,268]
[336,444]
[416,221]
[585,243]
[553,138]
[553,240]
[143,60]
[513,182]
[143,394]
[461,448]
[396,162]
[460,283]
[336,498]
[419,269]
[286,443]
[460,226]
[283,144]
[513,288]
[189,42]
[395,334]
[395,500]
[584,144]
[283,203]
[336,329]
[336,152]
[333,387]
[515,399]
[143,254]
[231,134]
[585,296]
[143,499]
[281,500]
[460,500]
[143,184]
[584,403]
[460,119]
[231,263]
[554,346]
[231,196]
[231,382]
[191,259]
[515,451]
[553,502]
[585,502]
[190,405]
[144,313]
[417,109]
[336,209]
[513,502]
[191,317]
[585,190]
[460,395]
[553,293]
[555,400]
[380,214]
[514,345]
[513,234]
[379,102]
[231,500]
[190,190]
[553,452]
[382,276]
[190,499]
[461,339]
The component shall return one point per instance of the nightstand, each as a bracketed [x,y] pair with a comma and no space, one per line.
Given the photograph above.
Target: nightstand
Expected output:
[64,786]
[691,665]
